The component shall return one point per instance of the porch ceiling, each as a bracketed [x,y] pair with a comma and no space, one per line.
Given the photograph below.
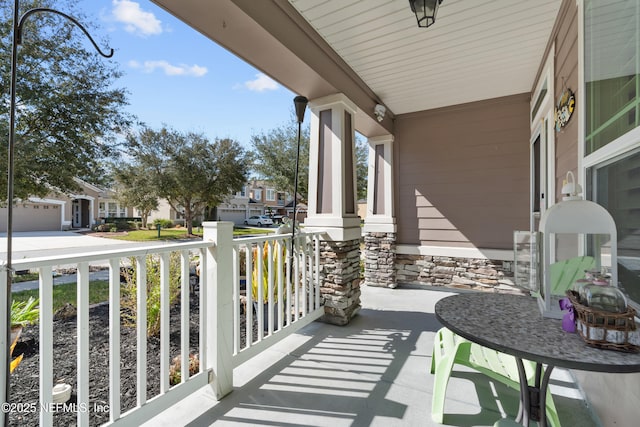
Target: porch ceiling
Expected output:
[475,50]
[374,52]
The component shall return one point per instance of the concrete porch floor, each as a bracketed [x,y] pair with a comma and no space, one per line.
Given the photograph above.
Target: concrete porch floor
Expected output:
[373,372]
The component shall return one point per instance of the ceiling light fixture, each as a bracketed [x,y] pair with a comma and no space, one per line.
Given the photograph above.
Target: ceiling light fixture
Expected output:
[425,11]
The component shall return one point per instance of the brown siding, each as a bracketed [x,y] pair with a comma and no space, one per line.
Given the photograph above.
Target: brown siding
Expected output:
[323,200]
[463,174]
[566,76]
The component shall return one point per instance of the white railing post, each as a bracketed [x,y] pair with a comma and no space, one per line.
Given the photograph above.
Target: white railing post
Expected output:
[219,317]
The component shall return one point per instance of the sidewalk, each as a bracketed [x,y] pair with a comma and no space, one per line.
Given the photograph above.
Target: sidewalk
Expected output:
[59,280]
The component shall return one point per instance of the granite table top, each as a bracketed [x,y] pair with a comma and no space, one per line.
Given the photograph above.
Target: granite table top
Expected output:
[514,325]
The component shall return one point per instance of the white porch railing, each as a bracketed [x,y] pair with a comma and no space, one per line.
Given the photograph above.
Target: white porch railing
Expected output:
[291,282]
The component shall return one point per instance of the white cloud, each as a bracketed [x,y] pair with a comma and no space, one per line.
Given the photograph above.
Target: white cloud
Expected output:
[261,83]
[135,19]
[170,69]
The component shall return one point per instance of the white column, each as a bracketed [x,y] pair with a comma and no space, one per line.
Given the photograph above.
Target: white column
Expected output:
[332,203]
[380,194]
[219,301]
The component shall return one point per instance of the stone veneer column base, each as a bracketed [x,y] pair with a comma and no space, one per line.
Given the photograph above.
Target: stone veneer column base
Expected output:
[379,259]
[340,280]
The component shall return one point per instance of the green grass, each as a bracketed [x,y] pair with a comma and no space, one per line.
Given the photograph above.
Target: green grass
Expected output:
[180,233]
[147,235]
[66,293]
[28,277]
[251,231]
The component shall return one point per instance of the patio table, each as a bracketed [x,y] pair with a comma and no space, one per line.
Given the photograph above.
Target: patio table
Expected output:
[513,324]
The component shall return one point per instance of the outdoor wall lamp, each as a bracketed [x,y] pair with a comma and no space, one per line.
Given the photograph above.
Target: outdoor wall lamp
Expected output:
[425,11]
[380,110]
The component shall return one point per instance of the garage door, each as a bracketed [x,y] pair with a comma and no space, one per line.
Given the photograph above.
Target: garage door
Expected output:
[32,217]
[235,216]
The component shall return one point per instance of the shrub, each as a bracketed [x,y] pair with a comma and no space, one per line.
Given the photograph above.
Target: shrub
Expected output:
[175,374]
[129,291]
[164,223]
[24,312]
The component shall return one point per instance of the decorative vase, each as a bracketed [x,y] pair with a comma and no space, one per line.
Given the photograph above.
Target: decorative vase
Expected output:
[265,315]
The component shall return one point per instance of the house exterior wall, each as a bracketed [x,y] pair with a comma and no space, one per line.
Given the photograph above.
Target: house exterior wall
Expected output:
[471,158]
[30,216]
[614,397]
[566,76]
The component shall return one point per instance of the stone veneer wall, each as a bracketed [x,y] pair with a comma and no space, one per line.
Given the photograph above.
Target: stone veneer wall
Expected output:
[464,273]
[340,280]
[379,259]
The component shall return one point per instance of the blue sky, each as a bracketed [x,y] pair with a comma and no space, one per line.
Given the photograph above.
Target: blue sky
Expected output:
[178,77]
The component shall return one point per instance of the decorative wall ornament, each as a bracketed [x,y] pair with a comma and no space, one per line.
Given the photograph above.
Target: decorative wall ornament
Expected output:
[564,109]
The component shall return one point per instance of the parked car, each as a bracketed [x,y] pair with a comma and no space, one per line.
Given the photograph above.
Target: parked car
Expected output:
[277,219]
[258,220]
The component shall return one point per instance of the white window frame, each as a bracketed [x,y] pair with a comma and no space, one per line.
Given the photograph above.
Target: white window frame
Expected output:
[271,195]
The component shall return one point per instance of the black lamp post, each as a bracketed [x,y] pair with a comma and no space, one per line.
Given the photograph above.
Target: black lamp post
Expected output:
[425,11]
[18,23]
[300,102]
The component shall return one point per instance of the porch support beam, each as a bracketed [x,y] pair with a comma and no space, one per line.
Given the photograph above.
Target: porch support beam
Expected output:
[380,222]
[332,204]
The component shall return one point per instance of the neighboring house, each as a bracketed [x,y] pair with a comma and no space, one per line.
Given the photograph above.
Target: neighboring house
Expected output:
[467,148]
[89,206]
[273,199]
[164,211]
[257,197]
[240,206]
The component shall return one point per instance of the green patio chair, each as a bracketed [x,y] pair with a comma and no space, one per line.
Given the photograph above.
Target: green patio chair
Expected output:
[449,348]
[564,273]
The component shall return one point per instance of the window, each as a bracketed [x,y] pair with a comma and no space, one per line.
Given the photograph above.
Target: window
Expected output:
[257,194]
[616,186]
[612,97]
[242,193]
[612,54]
[112,208]
[101,210]
[271,195]
[123,211]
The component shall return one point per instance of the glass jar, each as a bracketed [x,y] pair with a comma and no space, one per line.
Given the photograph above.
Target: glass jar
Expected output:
[579,288]
[605,298]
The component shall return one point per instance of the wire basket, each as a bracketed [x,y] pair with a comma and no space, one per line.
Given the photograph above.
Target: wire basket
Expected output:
[603,329]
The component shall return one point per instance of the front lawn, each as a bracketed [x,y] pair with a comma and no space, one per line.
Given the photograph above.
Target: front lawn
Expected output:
[66,293]
[165,234]
[180,234]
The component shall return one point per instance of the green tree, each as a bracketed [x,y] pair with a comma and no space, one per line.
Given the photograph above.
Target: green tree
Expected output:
[188,170]
[69,111]
[135,188]
[362,167]
[275,154]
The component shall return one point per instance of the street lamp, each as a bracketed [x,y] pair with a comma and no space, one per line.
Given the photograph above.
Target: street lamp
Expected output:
[18,24]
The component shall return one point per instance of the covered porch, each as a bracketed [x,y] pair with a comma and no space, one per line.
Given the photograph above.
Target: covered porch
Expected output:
[372,372]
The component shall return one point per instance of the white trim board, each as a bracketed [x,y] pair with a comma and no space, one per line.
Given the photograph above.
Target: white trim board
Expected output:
[493,254]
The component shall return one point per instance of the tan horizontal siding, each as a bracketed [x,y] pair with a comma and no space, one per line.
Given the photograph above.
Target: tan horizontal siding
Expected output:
[463,174]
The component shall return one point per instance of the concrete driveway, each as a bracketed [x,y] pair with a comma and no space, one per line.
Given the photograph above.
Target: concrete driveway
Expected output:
[33,244]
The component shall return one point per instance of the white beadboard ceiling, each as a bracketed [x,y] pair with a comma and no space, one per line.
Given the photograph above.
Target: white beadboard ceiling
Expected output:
[477,49]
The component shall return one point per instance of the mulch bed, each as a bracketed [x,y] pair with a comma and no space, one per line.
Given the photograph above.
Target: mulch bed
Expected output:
[25,379]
